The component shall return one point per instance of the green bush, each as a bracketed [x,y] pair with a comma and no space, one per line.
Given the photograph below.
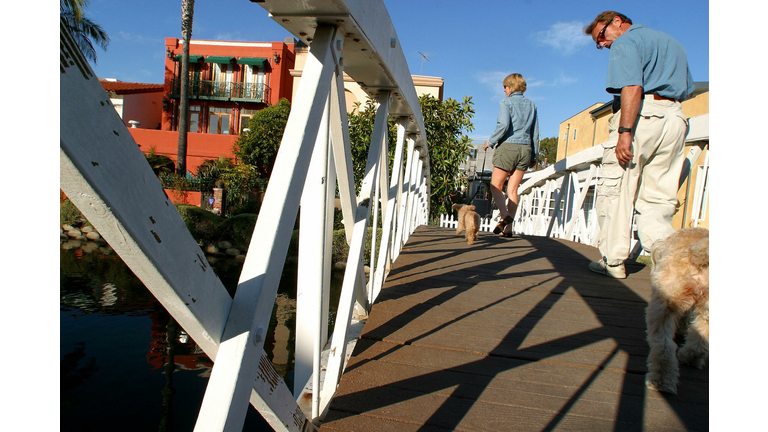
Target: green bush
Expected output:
[69,214]
[248,207]
[340,248]
[238,230]
[202,224]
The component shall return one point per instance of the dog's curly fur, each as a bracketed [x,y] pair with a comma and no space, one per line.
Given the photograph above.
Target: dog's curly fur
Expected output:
[680,281]
[469,221]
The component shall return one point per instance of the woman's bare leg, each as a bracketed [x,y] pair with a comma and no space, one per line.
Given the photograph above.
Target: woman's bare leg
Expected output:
[498,177]
[515,178]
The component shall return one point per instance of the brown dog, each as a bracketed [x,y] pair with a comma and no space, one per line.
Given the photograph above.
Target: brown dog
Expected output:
[680,281]
[469,221]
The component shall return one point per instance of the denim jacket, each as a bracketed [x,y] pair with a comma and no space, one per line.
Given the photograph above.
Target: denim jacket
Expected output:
[518,122]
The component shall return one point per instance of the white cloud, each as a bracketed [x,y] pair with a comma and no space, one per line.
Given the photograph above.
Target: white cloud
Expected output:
[564,37]
[492,81]
[136,37]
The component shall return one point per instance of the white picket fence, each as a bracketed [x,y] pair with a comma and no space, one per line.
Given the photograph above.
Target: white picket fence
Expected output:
[106,176]
[449,221]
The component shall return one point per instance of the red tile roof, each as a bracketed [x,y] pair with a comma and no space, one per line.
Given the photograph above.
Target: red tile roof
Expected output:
[122,87]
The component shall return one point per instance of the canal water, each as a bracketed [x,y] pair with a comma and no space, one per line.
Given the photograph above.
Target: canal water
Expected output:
[126,365]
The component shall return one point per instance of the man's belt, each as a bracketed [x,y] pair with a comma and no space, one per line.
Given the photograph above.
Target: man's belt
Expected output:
[657,97]
[616,105]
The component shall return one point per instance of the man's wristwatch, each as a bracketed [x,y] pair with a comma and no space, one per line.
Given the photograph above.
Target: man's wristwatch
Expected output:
[623,129]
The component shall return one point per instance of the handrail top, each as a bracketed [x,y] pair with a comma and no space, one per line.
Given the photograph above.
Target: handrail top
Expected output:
[576,162]
[372,52]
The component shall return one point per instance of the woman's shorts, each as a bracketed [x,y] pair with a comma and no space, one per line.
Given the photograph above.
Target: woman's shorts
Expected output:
[512,156]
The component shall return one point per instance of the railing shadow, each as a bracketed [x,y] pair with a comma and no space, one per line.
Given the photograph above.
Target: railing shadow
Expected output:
[623,330]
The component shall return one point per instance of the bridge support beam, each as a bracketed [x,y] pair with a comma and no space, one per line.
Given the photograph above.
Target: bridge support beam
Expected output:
[224,405]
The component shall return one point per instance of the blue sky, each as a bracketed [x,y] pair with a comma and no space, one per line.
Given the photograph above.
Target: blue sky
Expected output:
[473,45]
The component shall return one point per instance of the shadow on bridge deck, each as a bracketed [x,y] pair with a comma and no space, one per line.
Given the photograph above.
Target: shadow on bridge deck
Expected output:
[508,334]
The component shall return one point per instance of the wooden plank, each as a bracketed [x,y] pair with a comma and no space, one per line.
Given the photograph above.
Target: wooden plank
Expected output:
[508,334]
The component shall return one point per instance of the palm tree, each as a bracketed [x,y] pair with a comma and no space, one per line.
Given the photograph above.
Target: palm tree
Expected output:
[83,30]
[187,12]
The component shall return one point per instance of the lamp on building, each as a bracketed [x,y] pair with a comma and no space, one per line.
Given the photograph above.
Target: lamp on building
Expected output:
[169,53]
[276,57]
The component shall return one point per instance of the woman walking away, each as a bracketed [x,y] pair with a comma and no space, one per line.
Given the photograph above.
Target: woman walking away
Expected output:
[516,145]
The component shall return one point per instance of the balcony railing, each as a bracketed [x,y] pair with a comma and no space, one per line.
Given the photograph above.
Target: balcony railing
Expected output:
[250,92]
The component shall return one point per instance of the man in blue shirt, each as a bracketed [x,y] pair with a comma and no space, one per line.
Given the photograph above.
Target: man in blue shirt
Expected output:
[644,154]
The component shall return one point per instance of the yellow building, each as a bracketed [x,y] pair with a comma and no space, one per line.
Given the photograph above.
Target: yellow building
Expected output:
[589,128]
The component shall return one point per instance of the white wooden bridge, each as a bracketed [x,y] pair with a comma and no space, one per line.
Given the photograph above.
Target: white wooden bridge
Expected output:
[104,173]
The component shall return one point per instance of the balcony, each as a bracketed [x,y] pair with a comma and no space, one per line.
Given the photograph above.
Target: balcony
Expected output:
[223,91]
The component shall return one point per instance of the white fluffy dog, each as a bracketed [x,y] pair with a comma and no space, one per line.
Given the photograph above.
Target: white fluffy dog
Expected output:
[469,220]
[680,280]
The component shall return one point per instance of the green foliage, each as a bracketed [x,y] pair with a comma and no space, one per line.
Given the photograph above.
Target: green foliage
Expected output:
[361,123]
[202,224]
[213,169]
[258,147]
[252,207]
[238,229]
[340,248]
[445,123]
[69,214]
[239,181]
[548,151]
[160,164]
[83,30]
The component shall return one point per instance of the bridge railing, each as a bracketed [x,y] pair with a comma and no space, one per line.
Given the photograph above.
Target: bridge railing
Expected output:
[107,178]
[558,201]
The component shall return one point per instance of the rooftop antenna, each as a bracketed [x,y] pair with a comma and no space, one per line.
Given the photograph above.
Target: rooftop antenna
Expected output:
[424,58]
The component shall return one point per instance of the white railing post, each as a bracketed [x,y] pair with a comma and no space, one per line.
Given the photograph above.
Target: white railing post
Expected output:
[237,363]
[314,267]
[355,258]
[578,203]
[387,237]
[405,188]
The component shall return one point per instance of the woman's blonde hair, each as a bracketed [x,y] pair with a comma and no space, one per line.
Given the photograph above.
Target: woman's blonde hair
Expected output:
[516,82]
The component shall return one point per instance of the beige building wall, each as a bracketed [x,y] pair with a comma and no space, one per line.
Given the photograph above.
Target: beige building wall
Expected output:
[352,91]
[590,127]
[577,133]
[696,106]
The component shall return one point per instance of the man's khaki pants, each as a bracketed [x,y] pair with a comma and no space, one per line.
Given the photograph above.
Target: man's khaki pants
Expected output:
[649,184]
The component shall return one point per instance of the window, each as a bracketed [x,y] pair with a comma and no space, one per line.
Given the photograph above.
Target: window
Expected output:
[254,82]
[194,118]
[219,120]
[245,116]
[221,75]
[574,134]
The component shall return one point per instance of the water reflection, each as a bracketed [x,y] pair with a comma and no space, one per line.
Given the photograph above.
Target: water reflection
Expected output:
[125,362]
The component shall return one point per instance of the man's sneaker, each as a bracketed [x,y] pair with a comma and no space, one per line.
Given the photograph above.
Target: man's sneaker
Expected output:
[616,272]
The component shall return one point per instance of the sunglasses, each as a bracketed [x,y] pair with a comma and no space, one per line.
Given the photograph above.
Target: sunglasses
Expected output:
[601,36]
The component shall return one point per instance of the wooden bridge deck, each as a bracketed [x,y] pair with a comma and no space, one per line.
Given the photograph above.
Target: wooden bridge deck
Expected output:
[508,335]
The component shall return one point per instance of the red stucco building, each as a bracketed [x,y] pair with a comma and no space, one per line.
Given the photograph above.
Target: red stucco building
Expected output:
[229,82]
